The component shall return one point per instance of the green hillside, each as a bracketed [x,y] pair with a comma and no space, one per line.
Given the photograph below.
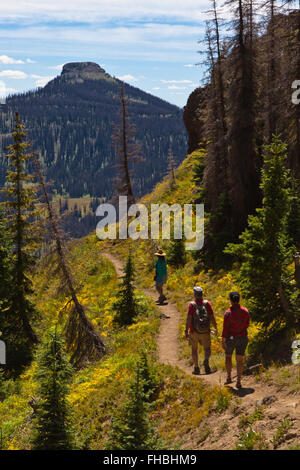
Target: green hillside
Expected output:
[185,412]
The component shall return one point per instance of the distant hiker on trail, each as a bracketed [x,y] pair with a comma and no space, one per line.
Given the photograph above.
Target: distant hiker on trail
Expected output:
[161,274]
[199,317]
[235,337]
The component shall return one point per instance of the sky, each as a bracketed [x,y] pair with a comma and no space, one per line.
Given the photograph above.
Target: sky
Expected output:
[151,44]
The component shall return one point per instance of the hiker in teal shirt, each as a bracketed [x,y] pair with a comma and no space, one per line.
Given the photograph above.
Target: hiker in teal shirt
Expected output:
[161,274]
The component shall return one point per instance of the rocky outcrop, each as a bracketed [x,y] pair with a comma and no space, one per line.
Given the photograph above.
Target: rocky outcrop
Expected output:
[192,118]
[78,72]
[79,68]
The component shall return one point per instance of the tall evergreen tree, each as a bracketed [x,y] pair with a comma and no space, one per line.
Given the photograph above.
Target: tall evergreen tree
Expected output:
[5,272]
[130,428]
[266,250]
[176,254]
[125,307]
[52,427]
[20,214]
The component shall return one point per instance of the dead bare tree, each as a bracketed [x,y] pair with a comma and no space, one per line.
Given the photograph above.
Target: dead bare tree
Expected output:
[171,167]
[83,341]
[127,150]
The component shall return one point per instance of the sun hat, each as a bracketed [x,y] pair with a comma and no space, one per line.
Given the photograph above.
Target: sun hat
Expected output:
[160,253]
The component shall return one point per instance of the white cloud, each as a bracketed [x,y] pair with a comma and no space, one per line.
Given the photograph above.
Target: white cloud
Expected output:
[56,67]
[189,65]
[4,59]
[15,74]
[176,81]
[41,81]
[103,10]
[4,90]
[29,61]
[175,87]
[156,88]
[11,90]
[128,78]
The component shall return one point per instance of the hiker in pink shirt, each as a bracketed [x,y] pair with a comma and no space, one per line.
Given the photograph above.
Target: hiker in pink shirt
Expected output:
[235,337]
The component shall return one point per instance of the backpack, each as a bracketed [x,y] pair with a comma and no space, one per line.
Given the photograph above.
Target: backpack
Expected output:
[201,319]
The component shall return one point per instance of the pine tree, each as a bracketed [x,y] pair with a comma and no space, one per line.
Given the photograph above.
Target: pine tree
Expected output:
[176,255]
[294,215]
[266,250]
[130,428]
[20,214]
[149,377]
[52,427]
[125,307]
[5,273]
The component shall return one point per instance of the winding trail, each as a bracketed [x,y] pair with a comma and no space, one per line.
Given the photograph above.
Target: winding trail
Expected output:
[168,353]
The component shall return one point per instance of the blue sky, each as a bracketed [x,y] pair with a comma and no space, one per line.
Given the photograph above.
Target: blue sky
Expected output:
[150,44]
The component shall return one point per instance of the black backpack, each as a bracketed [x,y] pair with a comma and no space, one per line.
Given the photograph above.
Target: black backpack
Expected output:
[201,320]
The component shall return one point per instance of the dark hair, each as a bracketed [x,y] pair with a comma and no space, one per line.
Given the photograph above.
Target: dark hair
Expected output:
[234,297]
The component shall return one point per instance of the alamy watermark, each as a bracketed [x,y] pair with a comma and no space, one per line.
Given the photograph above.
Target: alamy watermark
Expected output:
[2,353]
[3,92]
[296,93]
[163,221]
[296,352]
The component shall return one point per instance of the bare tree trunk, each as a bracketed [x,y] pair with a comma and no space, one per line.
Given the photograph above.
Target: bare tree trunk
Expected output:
[297,269]
[83,340]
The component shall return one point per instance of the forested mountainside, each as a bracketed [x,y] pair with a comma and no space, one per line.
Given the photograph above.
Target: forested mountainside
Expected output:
[246,100]
[70,124]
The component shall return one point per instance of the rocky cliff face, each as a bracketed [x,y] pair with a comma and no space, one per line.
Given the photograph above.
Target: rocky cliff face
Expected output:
[82,68]
[193,120]
[78,72]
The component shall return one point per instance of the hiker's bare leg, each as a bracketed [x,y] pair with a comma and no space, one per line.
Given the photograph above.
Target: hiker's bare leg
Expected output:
[207,354]
[239,367]
[228,363]
[195,354]
[159,290]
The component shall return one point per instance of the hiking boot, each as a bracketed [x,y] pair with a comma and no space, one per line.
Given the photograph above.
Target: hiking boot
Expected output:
[196,371]
[238,384]
[206,367]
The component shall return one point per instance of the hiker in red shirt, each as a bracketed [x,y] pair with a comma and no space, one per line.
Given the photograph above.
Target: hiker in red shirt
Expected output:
[234,336]
[200,315]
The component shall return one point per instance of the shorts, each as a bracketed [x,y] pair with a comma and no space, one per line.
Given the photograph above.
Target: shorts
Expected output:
[160,283]
[202,338]
[238,343]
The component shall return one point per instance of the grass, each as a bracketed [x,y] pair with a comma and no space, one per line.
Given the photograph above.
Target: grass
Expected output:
[287,377]
[279,436]
[181,403]
[252,418]
[250,440]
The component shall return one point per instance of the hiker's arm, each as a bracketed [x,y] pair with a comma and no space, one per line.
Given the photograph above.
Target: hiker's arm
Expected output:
[212,318]
[188,322]
[225,330]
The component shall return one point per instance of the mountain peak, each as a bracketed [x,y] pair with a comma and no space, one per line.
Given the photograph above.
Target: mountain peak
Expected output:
[82,69]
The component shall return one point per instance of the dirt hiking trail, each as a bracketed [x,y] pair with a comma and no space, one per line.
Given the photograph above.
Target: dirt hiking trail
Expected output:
[280,404]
